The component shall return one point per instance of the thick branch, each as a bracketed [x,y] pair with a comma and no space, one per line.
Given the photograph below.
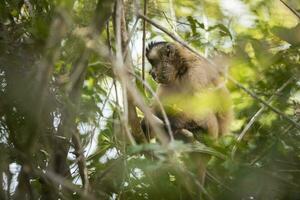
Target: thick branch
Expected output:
[67,127]
[122,30]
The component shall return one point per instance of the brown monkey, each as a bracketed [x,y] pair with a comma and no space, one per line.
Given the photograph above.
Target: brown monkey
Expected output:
[190,90]
[192,95]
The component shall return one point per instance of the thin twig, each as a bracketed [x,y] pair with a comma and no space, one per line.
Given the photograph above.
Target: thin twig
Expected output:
[168,19]
[291,9]
[257,114]
[99,119]
[83,171]
[174,37]
[164,114]
[275,110]
[103,51]
[173,16]
[130,35]
[147,112]
[144,38]
[252,94]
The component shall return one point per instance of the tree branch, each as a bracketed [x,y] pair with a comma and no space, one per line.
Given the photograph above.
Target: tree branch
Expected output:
[81,162]
[291,9]
[252,94]
[144,38]
[171,35]
[257,114]
[123,46]
[275,110]
[67,126]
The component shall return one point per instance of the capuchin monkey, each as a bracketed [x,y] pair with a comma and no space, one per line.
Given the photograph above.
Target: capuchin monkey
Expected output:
[191,91]
[193,96]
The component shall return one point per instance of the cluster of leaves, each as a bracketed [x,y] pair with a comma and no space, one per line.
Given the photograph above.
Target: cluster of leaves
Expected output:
[55,87]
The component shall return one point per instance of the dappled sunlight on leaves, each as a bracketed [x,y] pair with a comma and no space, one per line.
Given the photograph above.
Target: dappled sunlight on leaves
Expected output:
[66,128]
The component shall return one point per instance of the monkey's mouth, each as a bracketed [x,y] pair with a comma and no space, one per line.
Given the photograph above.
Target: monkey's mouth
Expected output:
[161,79]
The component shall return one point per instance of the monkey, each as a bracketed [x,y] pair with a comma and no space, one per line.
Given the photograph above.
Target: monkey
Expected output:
[186,82]
[193,96]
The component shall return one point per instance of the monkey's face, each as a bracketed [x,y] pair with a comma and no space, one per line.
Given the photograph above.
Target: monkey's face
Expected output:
[161,56]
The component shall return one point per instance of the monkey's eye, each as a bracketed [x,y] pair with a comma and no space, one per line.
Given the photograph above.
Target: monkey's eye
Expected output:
[169,50]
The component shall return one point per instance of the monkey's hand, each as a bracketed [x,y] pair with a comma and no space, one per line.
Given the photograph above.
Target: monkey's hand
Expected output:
[178,133]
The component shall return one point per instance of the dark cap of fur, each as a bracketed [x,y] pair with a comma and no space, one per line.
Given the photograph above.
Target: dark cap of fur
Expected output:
[151,45]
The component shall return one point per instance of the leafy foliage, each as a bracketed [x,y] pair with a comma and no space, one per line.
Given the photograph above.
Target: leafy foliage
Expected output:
[64,131]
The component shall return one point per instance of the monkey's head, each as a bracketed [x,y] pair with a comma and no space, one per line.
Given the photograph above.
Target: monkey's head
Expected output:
[164,60]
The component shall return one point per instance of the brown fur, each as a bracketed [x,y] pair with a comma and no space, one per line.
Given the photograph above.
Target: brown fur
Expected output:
[183,79]
[181,73]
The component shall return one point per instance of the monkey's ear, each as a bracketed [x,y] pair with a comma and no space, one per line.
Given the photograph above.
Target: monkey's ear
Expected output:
[170,50]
